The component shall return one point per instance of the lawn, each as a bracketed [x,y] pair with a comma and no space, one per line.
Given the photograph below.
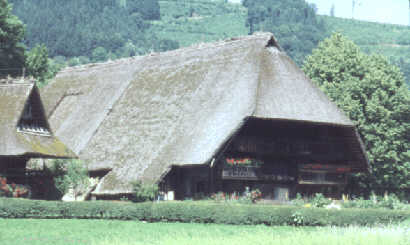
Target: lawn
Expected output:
[106,232]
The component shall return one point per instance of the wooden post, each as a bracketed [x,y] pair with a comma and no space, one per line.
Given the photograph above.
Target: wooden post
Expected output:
[211,185]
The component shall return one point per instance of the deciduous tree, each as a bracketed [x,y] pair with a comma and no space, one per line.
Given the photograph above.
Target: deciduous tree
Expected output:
[374,95]
[37,63]
[11,49]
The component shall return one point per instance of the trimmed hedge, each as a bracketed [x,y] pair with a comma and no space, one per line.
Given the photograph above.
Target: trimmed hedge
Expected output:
[191,212]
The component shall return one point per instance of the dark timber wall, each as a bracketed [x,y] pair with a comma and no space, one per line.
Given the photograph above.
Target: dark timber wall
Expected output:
[278,157]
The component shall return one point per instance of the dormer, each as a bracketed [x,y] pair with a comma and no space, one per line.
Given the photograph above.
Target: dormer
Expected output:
[24,129]
[32,119]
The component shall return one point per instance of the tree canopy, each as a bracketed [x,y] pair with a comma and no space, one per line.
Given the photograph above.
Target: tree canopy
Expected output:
[78,27]
[11,48]
[374,95]
[37,63]
[293,22]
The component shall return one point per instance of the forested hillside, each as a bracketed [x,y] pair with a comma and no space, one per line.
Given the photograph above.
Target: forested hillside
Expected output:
[91,30]
[294,23]
[80,31]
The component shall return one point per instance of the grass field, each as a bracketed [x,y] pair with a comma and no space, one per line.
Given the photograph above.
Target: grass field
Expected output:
[103,232]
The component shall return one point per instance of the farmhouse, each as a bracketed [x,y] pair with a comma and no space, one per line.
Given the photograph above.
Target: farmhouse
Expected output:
[25,133]
[221,116]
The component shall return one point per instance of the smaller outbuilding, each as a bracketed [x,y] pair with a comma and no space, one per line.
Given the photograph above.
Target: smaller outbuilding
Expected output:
[25,134]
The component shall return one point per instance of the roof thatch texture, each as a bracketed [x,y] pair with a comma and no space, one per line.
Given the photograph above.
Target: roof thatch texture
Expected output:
[13,97]
[141,115]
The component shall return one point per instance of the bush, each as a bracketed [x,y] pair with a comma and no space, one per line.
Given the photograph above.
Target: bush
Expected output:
[144,192]
[70,174]
[13,190]
[387,202]
[320,201]
[247,197]
[298,201]
[192,212]
[317,201]
[375,202]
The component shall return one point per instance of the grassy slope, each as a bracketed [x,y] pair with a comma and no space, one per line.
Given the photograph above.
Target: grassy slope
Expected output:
[372,37]
[104,232]
[210,21]
[375,38]
[214,20]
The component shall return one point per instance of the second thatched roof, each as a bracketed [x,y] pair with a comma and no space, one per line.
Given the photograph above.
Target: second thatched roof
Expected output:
[15,96]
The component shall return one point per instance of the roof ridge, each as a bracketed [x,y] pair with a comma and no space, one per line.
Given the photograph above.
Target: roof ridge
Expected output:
[15,84]
[193,47]
[16,81]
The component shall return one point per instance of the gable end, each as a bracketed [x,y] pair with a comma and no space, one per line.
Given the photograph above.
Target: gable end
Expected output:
[32,119]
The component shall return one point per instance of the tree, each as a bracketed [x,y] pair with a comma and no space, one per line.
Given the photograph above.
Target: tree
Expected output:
[99,54]
[374,95]
[37,63]
[75,28]
[11,49]
[149,9]
[70,174]
[166,44]
[293,22]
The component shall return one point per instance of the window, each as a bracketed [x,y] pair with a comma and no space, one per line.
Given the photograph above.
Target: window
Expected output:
[321,178]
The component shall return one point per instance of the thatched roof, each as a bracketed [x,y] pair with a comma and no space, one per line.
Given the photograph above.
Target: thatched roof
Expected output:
[141,115]
[14,95]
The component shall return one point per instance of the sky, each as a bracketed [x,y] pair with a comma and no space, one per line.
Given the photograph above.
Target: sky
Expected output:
[384,11]
[391,11]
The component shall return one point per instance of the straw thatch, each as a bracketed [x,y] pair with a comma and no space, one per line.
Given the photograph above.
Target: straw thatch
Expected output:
[141,115]
[13,97]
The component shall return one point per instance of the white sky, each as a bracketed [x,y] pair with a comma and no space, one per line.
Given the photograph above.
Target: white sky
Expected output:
[384,11]
[391,11]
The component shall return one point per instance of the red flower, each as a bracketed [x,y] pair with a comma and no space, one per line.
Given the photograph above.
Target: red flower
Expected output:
[3,180]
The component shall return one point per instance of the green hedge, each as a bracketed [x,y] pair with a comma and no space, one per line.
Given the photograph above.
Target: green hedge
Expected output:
[191,212]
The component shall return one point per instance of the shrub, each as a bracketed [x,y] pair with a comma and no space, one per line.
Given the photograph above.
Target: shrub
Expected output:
[297,218]
[247,197]
[70,174]
[319,201]
[144,192]
[256,195]
[13,190]
[218,197]
[298,201]
[387,202]
[189,212]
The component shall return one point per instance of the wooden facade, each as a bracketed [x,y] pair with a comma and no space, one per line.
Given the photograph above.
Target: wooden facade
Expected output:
[175,118]
[280,158]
